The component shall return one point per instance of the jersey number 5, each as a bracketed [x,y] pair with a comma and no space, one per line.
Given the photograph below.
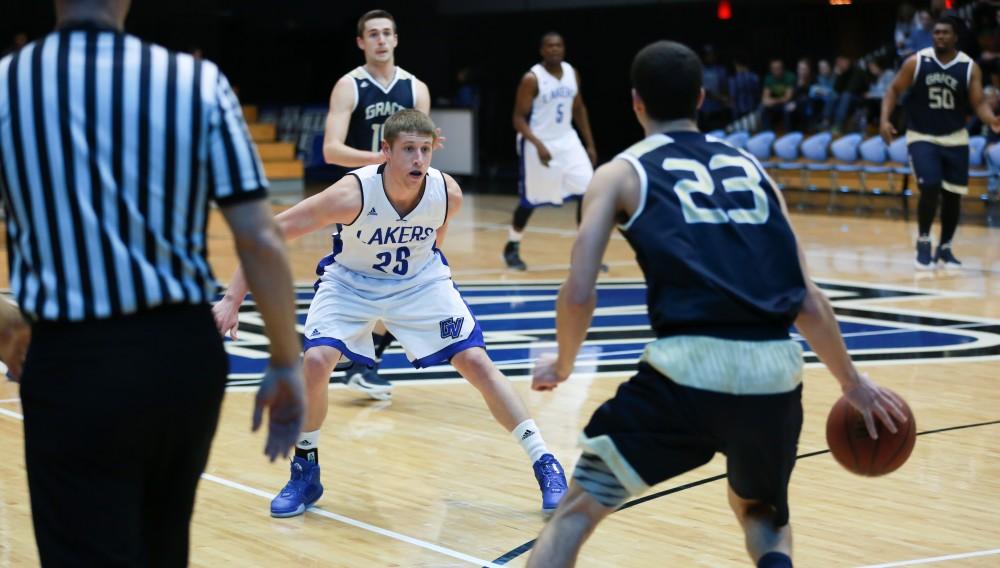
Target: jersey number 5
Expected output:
[704,183]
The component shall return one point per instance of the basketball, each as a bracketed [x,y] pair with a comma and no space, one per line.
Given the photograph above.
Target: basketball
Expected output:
[854,449]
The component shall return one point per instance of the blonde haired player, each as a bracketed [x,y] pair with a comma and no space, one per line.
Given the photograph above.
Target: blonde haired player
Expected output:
[386,266]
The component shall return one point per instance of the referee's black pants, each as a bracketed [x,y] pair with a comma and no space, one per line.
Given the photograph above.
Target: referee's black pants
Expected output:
[118,419]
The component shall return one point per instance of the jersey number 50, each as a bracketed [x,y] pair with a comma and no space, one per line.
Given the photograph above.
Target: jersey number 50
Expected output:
[941,98]
[704,183]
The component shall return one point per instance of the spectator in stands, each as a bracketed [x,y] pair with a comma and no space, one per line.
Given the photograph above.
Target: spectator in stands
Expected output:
[714,112]
[467,89]
[744,88]
[779,86]
[988,38]
[821,90]
[905,22]
[992,96]
[849,86]
[800,110]
[880,78]
[920,37]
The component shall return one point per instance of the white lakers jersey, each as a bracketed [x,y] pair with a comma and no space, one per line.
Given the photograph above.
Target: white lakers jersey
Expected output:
[383,244]
[552,109]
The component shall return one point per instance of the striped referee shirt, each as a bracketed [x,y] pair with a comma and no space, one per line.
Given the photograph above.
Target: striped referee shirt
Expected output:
[110,150]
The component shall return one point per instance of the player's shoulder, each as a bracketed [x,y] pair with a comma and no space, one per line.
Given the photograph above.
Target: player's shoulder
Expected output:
[645,146]
[358,73]
[963,57]
[404,75]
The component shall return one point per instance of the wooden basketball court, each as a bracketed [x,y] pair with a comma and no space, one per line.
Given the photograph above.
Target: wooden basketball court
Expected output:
[431,480]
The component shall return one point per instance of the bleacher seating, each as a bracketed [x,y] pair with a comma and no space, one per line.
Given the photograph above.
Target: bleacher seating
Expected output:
[279,158]
[860,169]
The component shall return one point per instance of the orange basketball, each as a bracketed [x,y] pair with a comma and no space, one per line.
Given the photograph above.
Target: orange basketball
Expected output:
[854,449]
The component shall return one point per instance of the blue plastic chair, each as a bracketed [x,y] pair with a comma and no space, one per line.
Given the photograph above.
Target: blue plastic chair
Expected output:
[992,156]
[875,155]
[815,150]
[760,146]
[738,139]
[900,156]
[845,152]
[717,133]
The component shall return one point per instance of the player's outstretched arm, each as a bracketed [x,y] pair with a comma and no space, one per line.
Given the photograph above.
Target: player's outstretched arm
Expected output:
[339,203]
[818,324]
[262,252]
[612,195]
[899,85]
[454,204]
[338,120]
[423,104]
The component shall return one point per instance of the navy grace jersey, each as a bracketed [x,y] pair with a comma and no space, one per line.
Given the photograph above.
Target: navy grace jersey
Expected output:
[719,257]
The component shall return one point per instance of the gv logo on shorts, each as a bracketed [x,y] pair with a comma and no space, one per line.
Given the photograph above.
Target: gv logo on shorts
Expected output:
[451,327]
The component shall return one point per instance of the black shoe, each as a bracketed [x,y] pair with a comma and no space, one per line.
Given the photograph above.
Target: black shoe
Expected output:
[945,258]
[512,256]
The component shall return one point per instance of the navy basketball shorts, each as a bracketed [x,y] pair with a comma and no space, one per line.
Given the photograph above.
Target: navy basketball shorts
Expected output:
[655,429]
[940,166]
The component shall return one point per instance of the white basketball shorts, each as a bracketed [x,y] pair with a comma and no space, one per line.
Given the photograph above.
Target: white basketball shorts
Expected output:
[566,176]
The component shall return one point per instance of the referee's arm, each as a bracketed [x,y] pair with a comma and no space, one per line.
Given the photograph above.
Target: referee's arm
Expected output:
[239,187]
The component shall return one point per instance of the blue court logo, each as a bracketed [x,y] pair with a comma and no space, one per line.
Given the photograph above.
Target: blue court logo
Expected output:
[518,322]
[451,327]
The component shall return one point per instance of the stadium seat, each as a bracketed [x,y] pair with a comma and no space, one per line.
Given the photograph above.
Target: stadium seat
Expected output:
[815,150]
[786,150]
[875,156]
[717,133]
[738,139]
[760,146]
[845,152]
[899,155]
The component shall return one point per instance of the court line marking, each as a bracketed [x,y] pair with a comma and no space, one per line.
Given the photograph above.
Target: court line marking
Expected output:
[10,400]
[527,546]
[333,516]
[933,559]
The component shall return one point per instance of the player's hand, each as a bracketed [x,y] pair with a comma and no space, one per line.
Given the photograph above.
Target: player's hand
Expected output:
[547,375]
[438,140]
[543,154]
[995,124]
[282,393]
[15,336]
[226,313]
[871,401]
[592,154]
[888,131]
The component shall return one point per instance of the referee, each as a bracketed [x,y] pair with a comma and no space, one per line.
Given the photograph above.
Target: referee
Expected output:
[110,150]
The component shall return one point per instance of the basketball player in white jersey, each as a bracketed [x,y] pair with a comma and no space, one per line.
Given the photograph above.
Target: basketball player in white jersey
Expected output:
[386,266]
[554,165]
[360,103]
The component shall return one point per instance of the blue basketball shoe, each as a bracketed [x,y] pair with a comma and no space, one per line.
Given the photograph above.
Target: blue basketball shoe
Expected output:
[551,480]
[302,490]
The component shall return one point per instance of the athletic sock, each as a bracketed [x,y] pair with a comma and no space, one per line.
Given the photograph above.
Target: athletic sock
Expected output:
[307,446]
[514,236]
[530,437]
